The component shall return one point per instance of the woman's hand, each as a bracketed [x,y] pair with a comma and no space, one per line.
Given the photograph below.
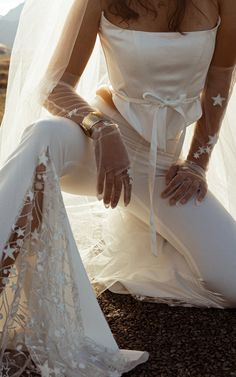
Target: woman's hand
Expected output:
[113,165]
[185,180]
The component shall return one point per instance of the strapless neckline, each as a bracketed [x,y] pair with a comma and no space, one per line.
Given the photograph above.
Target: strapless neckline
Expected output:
[105,20]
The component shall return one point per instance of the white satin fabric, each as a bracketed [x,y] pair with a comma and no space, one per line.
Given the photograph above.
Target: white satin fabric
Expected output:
[142,88]
[153,126]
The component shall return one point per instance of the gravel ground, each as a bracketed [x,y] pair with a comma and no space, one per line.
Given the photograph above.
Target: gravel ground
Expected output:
[182,341]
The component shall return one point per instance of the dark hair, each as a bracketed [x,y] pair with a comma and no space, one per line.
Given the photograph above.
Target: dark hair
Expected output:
[124,9]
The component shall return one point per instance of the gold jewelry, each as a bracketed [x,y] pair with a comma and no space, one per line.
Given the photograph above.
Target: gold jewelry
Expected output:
[91,119]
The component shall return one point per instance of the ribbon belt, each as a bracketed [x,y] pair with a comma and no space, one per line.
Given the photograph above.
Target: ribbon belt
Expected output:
[158,140]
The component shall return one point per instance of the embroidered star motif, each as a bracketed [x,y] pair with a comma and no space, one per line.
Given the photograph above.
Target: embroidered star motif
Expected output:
[45,370]
[208,149]
[201,150]
[30,195]
[218,101]
[19,347]
[20,232]
[12,270]
[196,155]
[35,235]
[43,159]
[9,252]
[4,371]
[212,139]
[73,112]
[20,242]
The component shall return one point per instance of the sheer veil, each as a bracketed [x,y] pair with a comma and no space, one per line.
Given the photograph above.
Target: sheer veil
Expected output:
[43,45]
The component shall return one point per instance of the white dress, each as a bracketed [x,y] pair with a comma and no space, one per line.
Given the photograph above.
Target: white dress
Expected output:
[156,90]
[47,306]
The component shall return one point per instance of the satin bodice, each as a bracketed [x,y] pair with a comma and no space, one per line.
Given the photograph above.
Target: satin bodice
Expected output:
[164,64]
[156,80]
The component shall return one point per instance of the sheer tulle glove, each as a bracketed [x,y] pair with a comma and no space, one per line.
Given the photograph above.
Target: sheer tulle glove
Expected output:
[110,152]
[185,179]
[113,165]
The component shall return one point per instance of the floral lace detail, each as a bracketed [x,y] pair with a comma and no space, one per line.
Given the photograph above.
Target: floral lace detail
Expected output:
[42,332]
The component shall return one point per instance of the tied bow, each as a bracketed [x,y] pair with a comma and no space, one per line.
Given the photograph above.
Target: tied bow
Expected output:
[167,101]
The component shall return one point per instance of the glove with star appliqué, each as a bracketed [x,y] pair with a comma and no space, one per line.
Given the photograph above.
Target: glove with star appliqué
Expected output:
[187,179]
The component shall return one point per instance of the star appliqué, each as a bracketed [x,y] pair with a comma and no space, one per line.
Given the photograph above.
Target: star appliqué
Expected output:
[218,101]
[72,112]
[196,155]
[212,139]
[35,235]
[9,252]
[20,232]
[208,149]
[43,159]
[45,370]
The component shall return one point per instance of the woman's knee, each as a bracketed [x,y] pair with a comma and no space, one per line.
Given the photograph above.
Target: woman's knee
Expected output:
[47,134]
[50,129]
[68,144]
[223,283]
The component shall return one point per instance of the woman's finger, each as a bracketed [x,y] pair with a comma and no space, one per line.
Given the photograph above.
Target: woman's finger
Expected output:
[180,192]
[172,186]
[192,190]
[127,189]
[116,192]
[109,181]
[171,173]
[100,181]
[202,191]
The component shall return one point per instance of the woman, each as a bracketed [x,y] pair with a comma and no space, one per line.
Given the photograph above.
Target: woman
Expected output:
[124,144]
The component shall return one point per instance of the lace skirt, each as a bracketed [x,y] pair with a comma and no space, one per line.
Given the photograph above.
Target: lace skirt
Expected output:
[50,321]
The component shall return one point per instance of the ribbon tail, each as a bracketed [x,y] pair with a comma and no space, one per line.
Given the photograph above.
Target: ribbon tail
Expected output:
[161,136]
[156,249]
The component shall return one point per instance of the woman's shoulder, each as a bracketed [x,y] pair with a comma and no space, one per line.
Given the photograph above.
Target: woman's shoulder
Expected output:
[225,49]
[227,9]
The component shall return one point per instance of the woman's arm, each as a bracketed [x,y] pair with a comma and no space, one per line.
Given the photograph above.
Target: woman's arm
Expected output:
[218,87]
[111,156]
[188,178]
[64,100]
